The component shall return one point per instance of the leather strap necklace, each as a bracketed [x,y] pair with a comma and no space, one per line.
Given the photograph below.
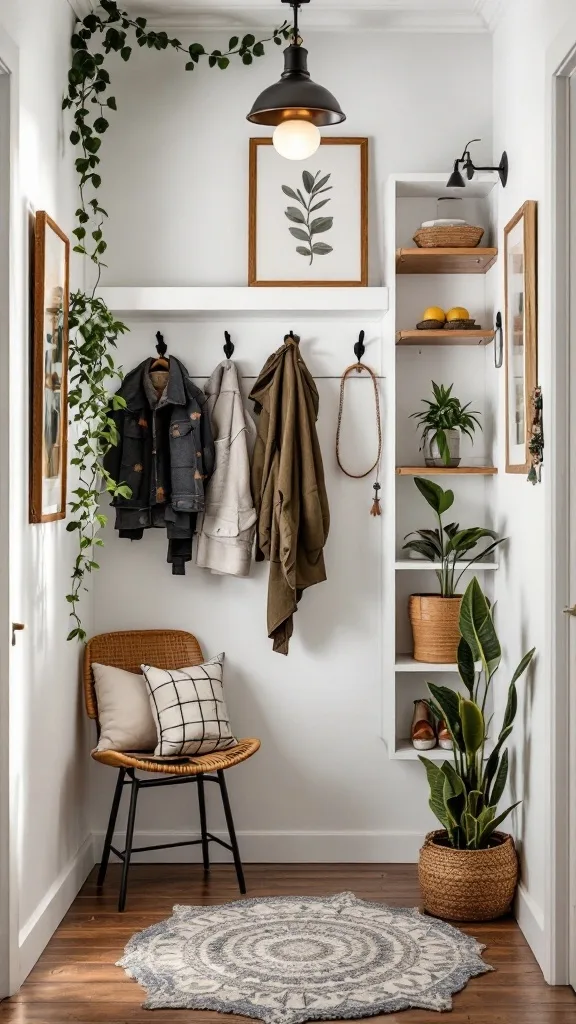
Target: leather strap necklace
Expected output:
[358,367]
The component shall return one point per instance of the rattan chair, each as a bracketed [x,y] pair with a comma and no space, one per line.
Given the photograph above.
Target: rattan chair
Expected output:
[170,648]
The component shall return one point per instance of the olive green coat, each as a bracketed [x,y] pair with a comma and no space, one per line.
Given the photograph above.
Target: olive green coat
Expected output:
[288,487]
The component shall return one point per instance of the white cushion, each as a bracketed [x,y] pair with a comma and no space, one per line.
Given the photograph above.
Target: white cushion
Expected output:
[189,708]
[126,721]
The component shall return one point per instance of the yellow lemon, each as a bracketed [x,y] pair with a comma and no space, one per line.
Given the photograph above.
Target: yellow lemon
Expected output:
[458,313]
[434,313]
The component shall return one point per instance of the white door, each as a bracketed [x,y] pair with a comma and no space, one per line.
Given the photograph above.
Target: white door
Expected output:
[8,132]
[572,513]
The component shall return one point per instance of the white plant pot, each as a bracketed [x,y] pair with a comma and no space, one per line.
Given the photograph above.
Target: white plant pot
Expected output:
[432,456]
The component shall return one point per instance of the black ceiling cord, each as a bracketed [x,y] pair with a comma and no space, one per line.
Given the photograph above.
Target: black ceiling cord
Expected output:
[229,346]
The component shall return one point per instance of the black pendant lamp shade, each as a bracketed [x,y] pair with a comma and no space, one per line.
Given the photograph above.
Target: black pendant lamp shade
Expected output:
[296,97]
[456,180]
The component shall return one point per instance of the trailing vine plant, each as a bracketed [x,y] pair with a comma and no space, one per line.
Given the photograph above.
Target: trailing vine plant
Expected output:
[94,330]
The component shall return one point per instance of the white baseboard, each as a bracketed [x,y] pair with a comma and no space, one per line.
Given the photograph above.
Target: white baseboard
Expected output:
[281,847]
[531,921]
[41,925]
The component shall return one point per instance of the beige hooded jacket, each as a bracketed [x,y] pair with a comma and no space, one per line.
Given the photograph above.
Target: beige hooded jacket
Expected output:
[227,534]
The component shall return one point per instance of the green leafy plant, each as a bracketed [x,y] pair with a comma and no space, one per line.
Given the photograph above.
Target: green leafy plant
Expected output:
[314,186]
[464,796]
[445,413]
[447,545]
[94,329]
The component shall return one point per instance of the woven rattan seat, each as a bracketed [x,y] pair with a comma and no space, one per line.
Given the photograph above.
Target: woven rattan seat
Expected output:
[166,649]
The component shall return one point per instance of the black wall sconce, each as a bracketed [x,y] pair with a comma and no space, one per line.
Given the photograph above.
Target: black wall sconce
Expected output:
[457,181]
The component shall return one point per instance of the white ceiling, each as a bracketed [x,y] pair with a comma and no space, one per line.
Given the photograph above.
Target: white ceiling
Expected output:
[392,15]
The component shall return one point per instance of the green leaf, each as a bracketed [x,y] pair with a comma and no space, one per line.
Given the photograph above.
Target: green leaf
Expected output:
[321,224]
[320,184]
[73,632]
[196,49]
[125,52]
[491,824]
[438,499]
[289,192]
[471,829]
[472,721]
[318,206]
[294,214]
[500,781]
[223,63]
[436,783]
[477,628]
[303,250]
[298,233]
[189,66]
[248,40]
[454,793]
[308,181]
[446,700]
[111,102]
[101,125]
[233,43]
[321,249]
[466,667]
[74,138]
[258,50]
[247,58]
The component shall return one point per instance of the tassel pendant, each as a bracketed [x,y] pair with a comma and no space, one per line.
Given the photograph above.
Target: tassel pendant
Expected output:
[376,510]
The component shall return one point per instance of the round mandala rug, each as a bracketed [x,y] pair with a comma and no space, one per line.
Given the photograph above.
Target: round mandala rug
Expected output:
[286,960]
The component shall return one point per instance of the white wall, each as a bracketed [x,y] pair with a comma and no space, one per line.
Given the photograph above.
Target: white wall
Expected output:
[525,31]
[175,174]
[51,835]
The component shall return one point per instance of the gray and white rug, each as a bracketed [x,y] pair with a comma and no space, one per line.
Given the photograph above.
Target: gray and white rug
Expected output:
[286,960]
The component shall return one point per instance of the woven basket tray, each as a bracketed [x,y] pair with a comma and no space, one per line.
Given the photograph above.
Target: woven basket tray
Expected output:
[430,325]
[458,237]
[461,325]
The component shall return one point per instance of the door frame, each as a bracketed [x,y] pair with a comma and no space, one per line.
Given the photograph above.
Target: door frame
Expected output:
[560,968]
[9,130]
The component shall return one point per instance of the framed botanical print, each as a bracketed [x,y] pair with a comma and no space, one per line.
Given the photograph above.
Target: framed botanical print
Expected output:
[49,434]
[308,219]
[521,347]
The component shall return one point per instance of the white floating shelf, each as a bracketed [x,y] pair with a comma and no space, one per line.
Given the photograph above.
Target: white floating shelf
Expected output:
[363,303]
[405,752]
[406,663]
[421,565]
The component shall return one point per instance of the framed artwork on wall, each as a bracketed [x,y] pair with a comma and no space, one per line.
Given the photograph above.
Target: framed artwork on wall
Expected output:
[521,347]
[49,434]
[308,219]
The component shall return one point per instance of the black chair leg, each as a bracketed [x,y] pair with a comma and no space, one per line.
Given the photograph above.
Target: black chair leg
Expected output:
[203,829]
[232,832]
[129,839]
[111,827]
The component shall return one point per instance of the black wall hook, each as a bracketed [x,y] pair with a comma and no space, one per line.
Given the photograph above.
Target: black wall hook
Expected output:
[359,347]
[161,346]
[229,346]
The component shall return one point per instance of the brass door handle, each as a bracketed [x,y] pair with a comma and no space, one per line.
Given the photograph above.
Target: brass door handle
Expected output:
[16,627]
[570,611]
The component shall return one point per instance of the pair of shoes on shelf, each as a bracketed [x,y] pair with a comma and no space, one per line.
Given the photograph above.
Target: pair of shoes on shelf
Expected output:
[425,732]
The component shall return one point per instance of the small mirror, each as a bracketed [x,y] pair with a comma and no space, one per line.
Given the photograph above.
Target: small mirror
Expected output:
[521,333]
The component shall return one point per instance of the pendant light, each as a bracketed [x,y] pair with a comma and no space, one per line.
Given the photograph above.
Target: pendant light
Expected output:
[296,105]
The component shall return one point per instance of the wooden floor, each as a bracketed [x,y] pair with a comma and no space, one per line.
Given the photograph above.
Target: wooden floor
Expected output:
[76,980]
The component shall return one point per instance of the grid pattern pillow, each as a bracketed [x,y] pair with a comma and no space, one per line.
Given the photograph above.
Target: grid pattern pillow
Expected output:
[189,709]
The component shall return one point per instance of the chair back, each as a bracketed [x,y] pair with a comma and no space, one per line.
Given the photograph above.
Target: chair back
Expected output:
[129,649]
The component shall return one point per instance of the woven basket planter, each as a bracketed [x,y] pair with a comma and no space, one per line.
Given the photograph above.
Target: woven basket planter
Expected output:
[463,236]
[467,885]
[434,622]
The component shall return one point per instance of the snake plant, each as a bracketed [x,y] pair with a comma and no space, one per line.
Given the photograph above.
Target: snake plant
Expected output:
[465,795]
[448,544]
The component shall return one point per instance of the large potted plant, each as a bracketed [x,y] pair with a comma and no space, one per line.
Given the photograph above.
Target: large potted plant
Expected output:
[468,870]
[434,617]
[442,424]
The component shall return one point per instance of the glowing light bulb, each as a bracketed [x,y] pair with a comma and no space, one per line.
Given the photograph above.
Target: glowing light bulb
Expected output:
[296,140]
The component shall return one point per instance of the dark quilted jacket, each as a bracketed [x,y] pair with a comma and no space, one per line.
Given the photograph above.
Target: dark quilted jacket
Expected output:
[165,455]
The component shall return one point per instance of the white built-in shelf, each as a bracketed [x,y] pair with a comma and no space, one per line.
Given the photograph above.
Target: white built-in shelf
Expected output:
[405,752]
[444,337]
[422,565]
[446,470]
[362,303]
[406,663]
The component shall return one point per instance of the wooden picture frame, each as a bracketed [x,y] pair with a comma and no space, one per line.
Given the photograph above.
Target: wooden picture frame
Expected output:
[352,228]
[521,333]
[49,419]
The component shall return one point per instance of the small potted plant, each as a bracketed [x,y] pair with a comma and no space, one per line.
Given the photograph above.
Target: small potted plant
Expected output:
[434,617]
[468,870]
[443,423]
